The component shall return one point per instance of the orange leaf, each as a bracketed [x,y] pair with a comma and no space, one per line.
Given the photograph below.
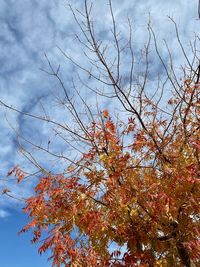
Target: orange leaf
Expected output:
[105,113]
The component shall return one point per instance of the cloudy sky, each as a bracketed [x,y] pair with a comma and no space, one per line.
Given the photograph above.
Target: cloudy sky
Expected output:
[29,30]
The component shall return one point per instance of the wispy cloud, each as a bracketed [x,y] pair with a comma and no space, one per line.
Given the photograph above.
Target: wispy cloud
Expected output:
[3,214]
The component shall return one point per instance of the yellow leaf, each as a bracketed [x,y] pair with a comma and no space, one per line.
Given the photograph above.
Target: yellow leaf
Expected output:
[133,212]
[83,196]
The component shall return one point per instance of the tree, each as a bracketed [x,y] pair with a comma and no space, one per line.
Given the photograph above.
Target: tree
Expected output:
[135,184]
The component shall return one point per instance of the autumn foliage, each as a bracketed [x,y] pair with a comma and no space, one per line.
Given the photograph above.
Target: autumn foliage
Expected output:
[135,187]
[132,197]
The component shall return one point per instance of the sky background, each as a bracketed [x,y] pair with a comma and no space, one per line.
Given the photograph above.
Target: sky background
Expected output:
[31,28]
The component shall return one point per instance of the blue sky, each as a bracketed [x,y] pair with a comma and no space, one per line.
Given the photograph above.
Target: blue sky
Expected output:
[29,29]
[16,250]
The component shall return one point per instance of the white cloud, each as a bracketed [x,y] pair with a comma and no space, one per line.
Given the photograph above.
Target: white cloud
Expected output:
[4,214]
